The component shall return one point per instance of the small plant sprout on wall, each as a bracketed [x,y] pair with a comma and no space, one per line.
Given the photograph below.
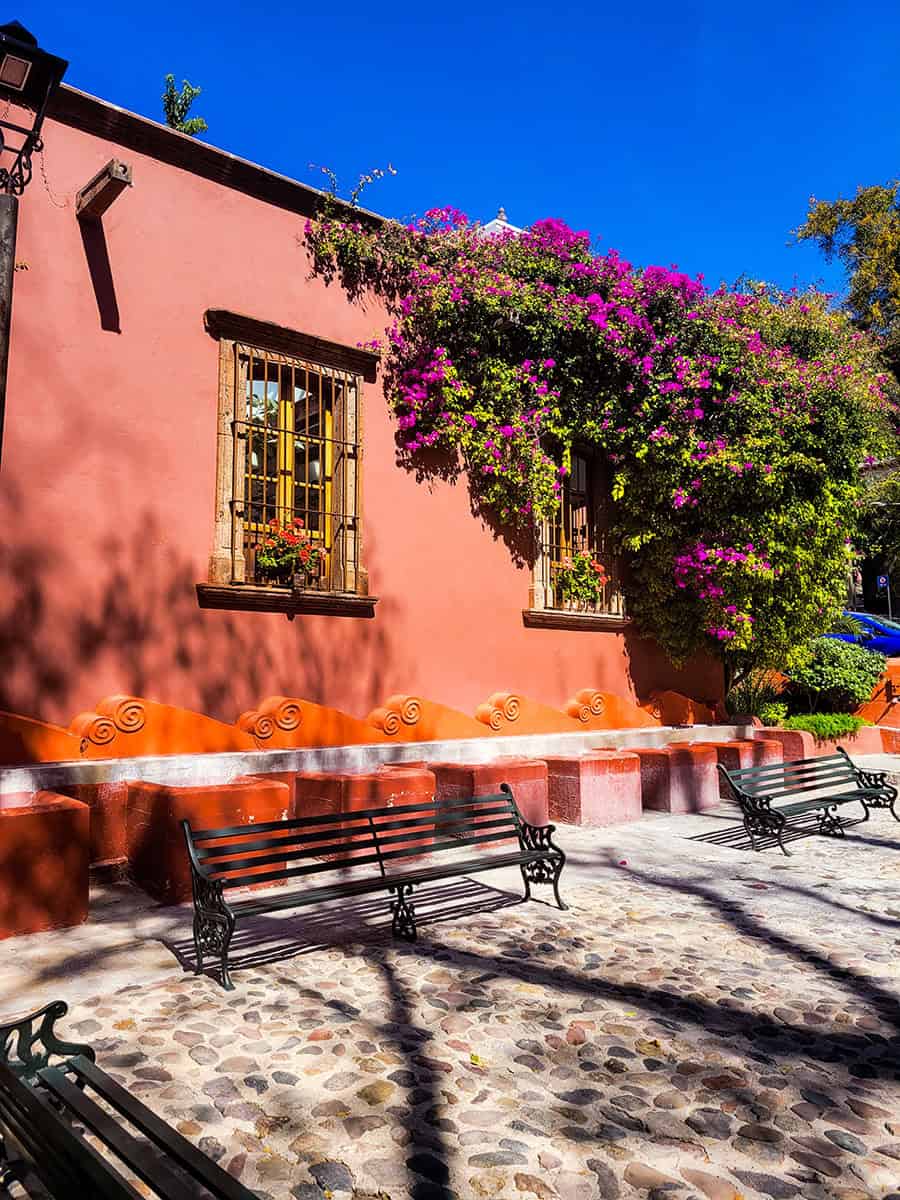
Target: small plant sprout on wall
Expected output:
[177,105]
[731,425]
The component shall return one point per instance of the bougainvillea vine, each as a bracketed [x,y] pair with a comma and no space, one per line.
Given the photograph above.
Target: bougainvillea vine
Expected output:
[731,423]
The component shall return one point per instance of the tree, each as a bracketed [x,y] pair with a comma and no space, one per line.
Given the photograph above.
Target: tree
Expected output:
[864,235]
[177,105]
[733,423]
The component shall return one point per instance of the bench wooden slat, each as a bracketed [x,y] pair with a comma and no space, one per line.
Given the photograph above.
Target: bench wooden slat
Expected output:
[492,862]
[364,831]
[224,868]
[62,1159]
[139,1156]
[200,835]
[789,774]
[194,1161]
[344,864]
[814,785]
[798,766]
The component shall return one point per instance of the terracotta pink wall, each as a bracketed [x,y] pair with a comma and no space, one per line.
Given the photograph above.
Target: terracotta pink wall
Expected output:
[108,482]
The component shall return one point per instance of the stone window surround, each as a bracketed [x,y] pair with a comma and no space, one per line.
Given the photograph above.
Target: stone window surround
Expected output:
[226,586]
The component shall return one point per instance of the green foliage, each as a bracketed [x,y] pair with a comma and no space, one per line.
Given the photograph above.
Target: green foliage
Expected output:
[731,424]
[827,727]
[177,105]
[834,676]
[844,623]
[582,578]
[750,695]
[773,713]
[864,235]
[879,521]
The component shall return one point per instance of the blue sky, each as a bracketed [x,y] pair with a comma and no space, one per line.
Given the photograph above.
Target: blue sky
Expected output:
[690,134]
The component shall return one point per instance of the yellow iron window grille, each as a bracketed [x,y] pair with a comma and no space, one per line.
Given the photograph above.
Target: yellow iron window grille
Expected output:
[299,425]
[580,528]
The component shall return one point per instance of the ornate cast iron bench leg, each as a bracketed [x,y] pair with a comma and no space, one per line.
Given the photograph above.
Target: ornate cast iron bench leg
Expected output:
[830,822]
[213,927]
[526,881]
[542,870]
[403,912]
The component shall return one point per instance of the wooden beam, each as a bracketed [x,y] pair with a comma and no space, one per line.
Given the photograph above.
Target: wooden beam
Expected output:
[98,194]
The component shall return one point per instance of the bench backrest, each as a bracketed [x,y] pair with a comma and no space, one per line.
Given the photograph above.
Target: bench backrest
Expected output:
[307,846]
[64,1162]
[830,773]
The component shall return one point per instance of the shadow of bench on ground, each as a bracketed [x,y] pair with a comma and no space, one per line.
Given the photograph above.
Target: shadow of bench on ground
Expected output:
[275,937]
[735,836]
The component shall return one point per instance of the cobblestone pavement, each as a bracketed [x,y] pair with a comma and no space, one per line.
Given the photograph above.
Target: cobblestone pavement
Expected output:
[701,1023]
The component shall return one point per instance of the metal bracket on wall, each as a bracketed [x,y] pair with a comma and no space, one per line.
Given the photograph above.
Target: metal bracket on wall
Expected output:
[98,194]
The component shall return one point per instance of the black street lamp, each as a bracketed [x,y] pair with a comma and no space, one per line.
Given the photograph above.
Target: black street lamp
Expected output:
[28,78]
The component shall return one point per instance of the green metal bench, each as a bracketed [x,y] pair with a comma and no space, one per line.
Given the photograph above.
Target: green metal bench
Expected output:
[372,849]
[46,1110]
[811,785]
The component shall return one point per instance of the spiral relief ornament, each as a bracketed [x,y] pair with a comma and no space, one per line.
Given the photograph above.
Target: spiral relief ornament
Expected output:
[509,704]
[585,705]
[396,711]
[126,712]
[499,709]
[258,724]
[94,729]
[285,711]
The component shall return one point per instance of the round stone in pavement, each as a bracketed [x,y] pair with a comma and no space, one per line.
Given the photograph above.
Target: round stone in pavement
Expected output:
[332,1176]
[769,1185]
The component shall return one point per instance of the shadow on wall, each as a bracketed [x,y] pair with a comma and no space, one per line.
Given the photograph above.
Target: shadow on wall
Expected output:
[650,671]
[130,620]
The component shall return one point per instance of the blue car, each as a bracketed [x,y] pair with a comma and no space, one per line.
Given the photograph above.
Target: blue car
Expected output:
[876,633]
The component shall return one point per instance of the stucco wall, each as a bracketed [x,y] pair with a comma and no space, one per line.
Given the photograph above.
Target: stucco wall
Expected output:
[108,481]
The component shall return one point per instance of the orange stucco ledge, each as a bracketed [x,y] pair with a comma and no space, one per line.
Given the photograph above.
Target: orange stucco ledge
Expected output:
[27,740]
[191,770]
[674,708]
[510,712]
[123,724]
[412,719]
[290,722]
[605,710]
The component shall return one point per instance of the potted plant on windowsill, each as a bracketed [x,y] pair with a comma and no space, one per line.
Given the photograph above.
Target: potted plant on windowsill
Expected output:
[580,582]
[285,552]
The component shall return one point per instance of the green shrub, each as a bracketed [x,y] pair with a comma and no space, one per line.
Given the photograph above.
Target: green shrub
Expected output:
[773,713]
[827,727]
[753,693]
[835,676]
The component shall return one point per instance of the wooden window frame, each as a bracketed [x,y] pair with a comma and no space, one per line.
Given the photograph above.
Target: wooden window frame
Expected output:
[558,536]
[227,585]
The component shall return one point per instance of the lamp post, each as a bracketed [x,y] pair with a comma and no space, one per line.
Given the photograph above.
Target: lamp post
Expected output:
[28,78]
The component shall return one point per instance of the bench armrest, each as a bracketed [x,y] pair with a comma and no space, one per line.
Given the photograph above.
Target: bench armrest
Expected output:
[872,779]
[208,895]
[28,1042]
[539,837]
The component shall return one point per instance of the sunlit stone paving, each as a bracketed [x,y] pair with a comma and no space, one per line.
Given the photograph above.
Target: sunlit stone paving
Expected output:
[700,1023]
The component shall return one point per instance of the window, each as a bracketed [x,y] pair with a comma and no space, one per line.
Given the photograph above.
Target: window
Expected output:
[289,450]
[578,532]
[295,425]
